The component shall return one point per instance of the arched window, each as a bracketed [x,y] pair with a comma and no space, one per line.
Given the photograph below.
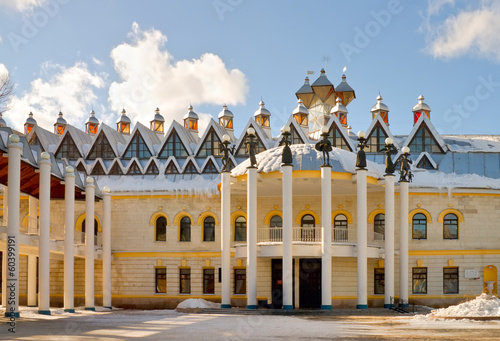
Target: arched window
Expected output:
[450,226]
[95,231]
[275,232]
[185,233]
[308,233]
[340,233]
[209,229]
[240,229]
[379,227]
[419,226]
[161,229]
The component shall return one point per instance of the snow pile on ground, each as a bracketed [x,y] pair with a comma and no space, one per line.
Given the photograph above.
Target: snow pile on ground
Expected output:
[200,303]
[482,305]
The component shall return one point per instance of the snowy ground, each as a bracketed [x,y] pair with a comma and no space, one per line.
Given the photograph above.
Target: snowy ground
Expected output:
[375,324]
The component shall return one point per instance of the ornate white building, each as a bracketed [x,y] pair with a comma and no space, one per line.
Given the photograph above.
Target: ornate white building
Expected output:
[170,224]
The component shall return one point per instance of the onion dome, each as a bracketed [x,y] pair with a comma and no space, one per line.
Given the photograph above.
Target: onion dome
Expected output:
[157,123]
[2,121]
[421,105]
[262,110]
[306,93]
[381,109]
[345,92]
[340,111]
[91,123]
[225,112]
[322,87]
[123,123]
[191,113]
[60,124]
[30,123]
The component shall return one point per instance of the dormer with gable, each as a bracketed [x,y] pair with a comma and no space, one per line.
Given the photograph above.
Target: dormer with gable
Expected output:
[176,143]
[260,138]
[338,135]
[376,134]
[60,124]
[211,141]
[140,144]
[425,138]
[72,144]
[104,145]
[263,118]
[123,124]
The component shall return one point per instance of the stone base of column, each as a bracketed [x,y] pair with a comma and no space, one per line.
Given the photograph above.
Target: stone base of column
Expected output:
[15,315]
[326,307]
[90,308]
[44,312]
[225,306]
[251,306]
[69,310]
[403,305]
[288,307]
[388,306]
[362,306]
[110,308]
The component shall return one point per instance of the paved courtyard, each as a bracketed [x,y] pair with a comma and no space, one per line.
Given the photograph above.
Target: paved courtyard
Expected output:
[372,324]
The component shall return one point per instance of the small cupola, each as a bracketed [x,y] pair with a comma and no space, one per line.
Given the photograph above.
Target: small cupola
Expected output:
[191,120]
[158,123]
[345,92]
[382,109]
[226,118]
[263,118]
[301,116]
[30,123]
[421,108]
[323,88]
[306,94]
[340,111]
[123,124]
[60,124]
[92,124]
[2,121]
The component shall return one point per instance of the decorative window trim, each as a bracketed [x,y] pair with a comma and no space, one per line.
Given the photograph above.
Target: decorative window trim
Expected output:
[344,212]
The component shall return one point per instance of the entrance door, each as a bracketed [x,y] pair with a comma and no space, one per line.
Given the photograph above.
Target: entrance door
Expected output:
[310,283]
[277,284]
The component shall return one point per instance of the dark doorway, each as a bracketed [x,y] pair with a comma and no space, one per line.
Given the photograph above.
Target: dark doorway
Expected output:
[310,283]
[277,283]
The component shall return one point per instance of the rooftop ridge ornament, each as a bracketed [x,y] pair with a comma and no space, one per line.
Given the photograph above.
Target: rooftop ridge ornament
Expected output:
[251,147]
[324,146]
[361,156]
[286,154]
[389,150]
[405,174]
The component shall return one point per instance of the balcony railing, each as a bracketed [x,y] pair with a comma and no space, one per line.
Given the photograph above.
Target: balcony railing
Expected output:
[313,234]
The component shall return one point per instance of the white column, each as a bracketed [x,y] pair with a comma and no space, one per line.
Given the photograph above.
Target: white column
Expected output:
[44,238]
[389,240]
[69,241]
[89,244]
[226,240]
[4,255]
[106,249]
[12,254]
[252,238]
[287,269]
[326,237]
[32,215]
[32,281]
[403,243]
[362,240]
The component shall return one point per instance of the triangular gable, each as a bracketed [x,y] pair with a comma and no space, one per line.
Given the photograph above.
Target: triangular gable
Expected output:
[134,167]
[190,167]
[261,139]
[213,133]
[82,140]
[35,142]
[425,131]
[68,148]
[81,166]
[45,138]
[172,167]
[152,168]
[210,166]
[113,139]
[150,137]
[137,146]
[98,168]
[378,123]
[292,123]
[425,161]
[177,141]
[116,168]
[101,148]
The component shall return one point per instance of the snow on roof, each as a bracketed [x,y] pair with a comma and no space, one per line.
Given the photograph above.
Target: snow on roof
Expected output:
[423,119]
[150,137]
[47,139]
[114,138]
[185,137]
[305,157]
[82,140]
[473,143]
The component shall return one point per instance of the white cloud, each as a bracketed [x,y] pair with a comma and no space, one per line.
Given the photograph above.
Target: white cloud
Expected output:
[21,5]
[0,39]
[3,70]
[97,61]
[471,31]
[69,89]
[150,78]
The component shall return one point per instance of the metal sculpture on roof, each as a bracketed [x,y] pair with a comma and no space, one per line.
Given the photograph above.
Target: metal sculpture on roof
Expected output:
[286,154]
[324,146]
[251,146]
[389,150]
[226,151]
[361,155]
[405,174]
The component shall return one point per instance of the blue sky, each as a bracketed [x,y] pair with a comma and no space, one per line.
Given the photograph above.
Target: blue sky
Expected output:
[74,55]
